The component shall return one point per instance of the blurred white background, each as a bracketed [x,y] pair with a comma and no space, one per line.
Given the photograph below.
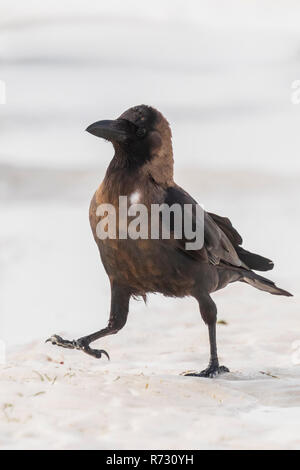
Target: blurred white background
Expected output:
[220,71]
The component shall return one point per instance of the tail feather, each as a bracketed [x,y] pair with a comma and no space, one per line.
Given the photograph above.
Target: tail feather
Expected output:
[254,261]
[264,284]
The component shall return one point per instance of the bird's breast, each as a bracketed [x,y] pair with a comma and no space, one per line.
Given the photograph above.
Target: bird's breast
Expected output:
[146,265]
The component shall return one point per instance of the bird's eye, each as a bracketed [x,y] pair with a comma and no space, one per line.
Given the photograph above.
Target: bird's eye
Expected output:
[141,132]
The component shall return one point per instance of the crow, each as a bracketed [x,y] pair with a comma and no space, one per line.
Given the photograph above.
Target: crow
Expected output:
[142,170]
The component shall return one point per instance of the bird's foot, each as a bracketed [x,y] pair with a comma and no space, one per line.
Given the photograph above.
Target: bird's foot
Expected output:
[81,344]
[211,371]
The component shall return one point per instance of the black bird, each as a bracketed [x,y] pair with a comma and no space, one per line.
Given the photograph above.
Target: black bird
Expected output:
[143,166]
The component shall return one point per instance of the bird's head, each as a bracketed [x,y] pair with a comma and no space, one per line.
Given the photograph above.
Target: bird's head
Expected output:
[142,139]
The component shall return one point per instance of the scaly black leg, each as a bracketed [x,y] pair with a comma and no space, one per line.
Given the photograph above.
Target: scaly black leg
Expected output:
[118,317]
[209,314]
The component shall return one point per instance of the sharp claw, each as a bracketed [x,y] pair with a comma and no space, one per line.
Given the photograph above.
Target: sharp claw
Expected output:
[105,353]
[97,353]
[53,339]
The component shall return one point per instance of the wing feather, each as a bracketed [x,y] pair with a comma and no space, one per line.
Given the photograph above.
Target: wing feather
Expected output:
[217,244]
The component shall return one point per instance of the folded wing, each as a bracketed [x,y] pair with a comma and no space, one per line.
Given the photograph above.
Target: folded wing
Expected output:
[221,240]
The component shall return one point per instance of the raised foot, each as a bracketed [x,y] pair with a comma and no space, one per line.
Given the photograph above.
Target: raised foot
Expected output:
[79,344]
[211,372]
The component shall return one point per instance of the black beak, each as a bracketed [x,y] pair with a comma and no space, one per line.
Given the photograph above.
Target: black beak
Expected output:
[118,130]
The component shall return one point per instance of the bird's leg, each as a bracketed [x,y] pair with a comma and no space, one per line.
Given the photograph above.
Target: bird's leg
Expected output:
[118,317]
[209,314]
